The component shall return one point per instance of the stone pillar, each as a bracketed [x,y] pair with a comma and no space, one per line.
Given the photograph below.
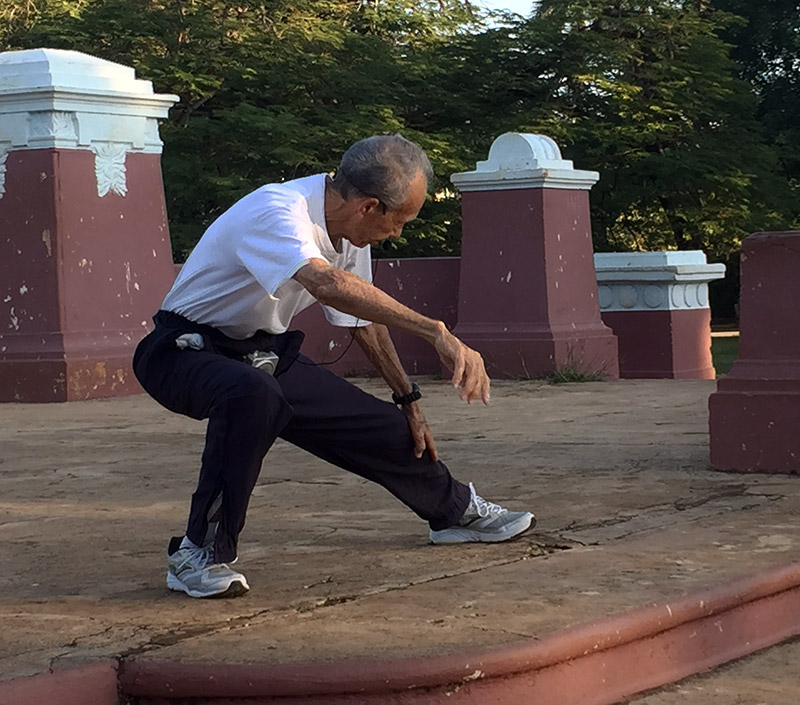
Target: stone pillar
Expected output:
[528,293]
[85,256]
[754,416]
[657,305]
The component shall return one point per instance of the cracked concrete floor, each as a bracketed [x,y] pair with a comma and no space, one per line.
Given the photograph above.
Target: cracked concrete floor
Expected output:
[617,474]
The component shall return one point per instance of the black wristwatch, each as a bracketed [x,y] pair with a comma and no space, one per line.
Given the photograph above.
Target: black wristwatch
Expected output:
[409,398]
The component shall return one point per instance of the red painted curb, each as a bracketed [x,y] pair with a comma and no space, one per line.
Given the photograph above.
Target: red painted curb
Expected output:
[95,684]
[597,663]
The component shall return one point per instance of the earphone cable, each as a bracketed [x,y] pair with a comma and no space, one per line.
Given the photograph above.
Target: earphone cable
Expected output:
[352,331]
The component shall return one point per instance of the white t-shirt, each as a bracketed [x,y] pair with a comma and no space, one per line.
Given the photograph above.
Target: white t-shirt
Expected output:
[239,276]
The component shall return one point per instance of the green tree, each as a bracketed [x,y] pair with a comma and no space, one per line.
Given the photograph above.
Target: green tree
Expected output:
[766,45]
[269,90]
[647,94]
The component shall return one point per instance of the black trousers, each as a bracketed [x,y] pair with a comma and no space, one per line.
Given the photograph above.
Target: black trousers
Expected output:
[303,403]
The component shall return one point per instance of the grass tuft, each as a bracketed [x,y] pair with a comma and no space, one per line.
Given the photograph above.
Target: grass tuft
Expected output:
[572,373]
[724,352]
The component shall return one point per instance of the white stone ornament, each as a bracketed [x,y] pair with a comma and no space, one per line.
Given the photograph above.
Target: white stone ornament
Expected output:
[52,126]
[3,158]
[109,168]
[515,151]
[57,99]
[518,160]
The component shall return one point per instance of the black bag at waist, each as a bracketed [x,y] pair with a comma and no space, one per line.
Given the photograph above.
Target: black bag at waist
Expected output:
[285,345]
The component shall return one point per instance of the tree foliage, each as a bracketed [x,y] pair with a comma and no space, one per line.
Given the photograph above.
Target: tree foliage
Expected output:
[766,47]
[646,94]
[679,105]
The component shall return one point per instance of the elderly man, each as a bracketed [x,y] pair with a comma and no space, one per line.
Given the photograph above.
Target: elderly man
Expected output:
[221,350]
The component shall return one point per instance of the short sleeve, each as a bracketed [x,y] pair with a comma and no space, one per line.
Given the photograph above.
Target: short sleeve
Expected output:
[358,262]
[276,243]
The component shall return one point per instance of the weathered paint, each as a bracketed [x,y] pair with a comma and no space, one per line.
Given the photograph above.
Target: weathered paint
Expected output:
[528,292]
[79,284]
[665,344]
[94,683]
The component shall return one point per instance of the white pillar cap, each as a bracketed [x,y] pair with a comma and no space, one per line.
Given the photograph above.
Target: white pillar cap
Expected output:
[56,79]
[684,265]
[520,161]
[56,99]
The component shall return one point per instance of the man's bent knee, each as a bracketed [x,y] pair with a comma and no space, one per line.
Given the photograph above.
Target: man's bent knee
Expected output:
[257,394]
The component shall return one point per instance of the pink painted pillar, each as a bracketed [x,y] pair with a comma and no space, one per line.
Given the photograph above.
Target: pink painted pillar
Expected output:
[85,257]
[754,416]
[528,292]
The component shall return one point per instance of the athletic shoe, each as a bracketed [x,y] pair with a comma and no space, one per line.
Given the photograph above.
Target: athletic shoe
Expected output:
[193,571]
[485,522]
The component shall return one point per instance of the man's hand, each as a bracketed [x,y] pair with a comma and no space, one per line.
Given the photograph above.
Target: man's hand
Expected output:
[420,431]
[469,372]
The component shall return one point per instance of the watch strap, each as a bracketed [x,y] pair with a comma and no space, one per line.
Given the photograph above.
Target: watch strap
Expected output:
[409,398]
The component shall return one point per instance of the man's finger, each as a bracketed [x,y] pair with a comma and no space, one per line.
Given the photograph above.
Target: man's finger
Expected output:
[431,446]
[482,390]
[419,442]
[458,368]
[473,383]
[467,391]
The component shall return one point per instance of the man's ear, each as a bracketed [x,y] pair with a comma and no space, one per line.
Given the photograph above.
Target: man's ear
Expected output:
[369,205]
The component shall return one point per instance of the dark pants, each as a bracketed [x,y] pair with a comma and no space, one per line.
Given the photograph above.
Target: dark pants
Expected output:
[305,404]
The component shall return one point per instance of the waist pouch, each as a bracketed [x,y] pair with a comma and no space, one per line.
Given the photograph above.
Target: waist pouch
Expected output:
[169,326]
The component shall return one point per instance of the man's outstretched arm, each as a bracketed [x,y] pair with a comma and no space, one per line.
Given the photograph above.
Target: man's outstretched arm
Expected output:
[349,293]
[379,348]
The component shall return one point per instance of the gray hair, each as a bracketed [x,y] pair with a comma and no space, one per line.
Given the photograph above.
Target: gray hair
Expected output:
[382,167]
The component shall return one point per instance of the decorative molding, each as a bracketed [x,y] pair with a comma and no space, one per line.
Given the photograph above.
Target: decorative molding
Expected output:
[78,129]
[151,134]
[654,281]
[622,296]
[573,180]
[109,168]
[52,124]
[3,158]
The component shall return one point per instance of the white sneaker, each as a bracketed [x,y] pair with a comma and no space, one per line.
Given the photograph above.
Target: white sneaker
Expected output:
[193,571]
[485,522]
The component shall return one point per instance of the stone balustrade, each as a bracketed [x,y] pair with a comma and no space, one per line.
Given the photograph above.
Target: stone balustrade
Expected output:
[657,305]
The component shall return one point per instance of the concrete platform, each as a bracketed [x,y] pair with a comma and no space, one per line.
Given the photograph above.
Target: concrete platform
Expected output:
[617,473]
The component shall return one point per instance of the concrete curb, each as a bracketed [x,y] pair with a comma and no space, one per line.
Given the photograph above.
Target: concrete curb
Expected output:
[598,663]
[95,684]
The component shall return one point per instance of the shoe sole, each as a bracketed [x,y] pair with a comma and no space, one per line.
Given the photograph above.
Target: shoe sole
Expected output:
[455,535]
[235,589]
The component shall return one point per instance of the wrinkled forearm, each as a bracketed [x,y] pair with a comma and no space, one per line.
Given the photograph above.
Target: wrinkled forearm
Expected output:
[350,294]
[377,345]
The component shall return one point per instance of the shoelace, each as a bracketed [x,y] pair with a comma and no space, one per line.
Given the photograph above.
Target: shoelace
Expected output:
[482,507]
[199,558]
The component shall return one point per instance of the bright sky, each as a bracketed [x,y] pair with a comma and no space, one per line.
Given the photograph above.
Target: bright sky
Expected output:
[522,7]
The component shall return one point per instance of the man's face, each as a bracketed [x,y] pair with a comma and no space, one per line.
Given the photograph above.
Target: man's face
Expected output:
[373,222]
